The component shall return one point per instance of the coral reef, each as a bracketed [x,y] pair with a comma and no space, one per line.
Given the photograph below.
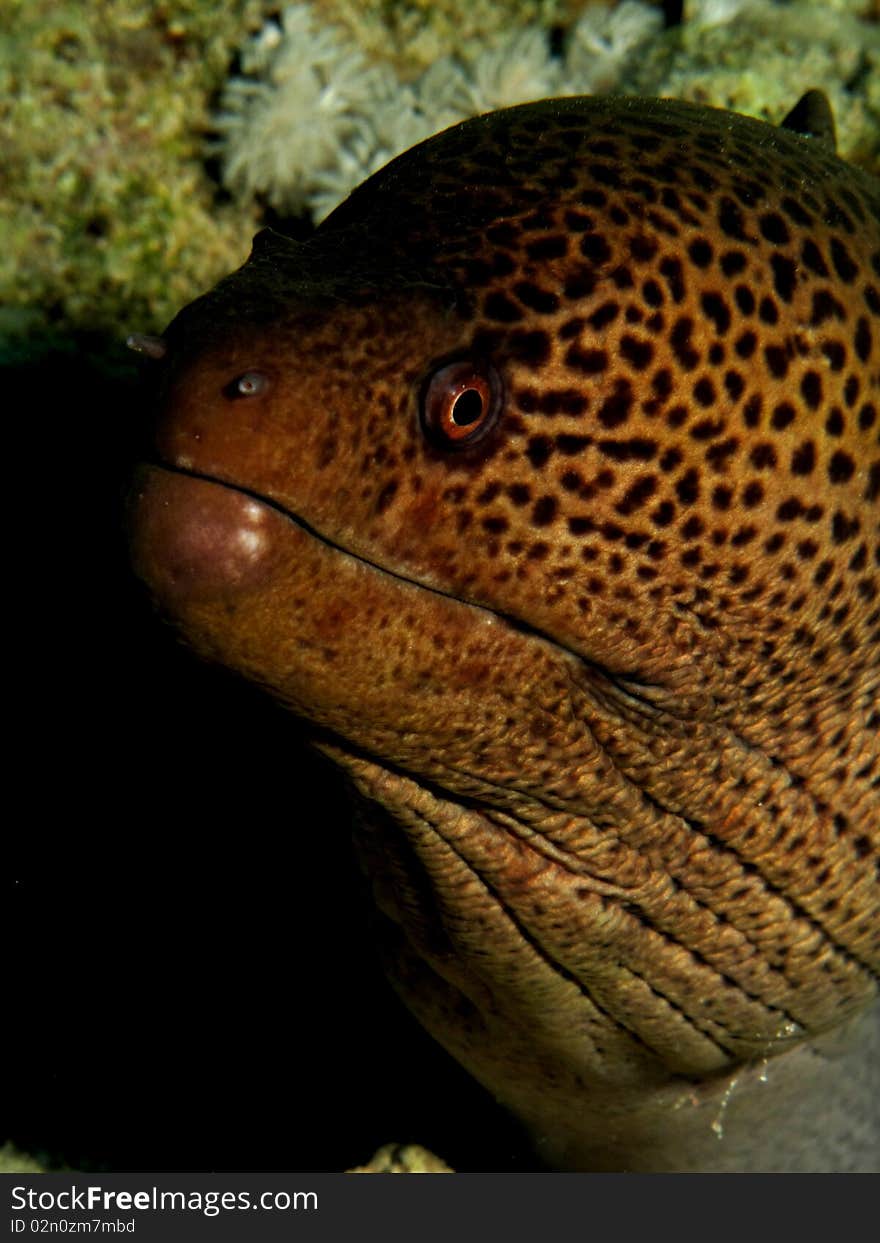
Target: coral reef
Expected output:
[402,1159]
[311,114]
[756,57]
[412,34]
[12,1161]
[112,113]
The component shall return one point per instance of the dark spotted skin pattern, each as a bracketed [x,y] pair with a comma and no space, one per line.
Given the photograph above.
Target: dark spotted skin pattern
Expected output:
[607,681]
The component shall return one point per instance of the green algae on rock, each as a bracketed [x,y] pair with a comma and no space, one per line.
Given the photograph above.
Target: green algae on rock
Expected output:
[107,215]
[765,54]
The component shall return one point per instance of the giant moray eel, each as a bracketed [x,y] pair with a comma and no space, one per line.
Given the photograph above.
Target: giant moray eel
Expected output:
[542,481]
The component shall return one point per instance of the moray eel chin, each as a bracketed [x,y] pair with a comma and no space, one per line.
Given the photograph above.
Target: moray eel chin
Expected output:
[542,482]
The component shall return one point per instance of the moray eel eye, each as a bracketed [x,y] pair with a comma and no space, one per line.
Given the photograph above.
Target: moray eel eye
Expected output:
[250,384]
[460,403]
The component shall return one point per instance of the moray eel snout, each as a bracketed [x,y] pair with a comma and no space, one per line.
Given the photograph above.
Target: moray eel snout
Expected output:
[197,539]
[543,480]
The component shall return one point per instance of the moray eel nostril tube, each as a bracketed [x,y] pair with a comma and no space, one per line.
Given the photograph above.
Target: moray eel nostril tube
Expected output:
[544,482]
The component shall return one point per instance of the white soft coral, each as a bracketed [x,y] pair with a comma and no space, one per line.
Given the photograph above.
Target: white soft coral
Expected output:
[283,128]
[603,39]
[310,116]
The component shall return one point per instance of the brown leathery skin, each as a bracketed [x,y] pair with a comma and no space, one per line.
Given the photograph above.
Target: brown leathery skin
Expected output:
[609,677]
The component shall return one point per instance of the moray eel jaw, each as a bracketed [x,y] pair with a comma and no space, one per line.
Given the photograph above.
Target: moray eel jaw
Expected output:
[542,483]
[253,589]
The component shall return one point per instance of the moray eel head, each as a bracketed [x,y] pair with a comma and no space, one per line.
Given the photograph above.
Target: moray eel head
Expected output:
[542,482]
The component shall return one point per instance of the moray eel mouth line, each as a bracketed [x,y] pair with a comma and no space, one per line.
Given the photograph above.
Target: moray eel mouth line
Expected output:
[541,482]
[267,502]
[486,794]
[625,687]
